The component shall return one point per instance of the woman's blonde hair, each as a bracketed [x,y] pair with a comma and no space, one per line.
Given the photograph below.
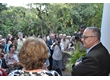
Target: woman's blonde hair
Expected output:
[33,53]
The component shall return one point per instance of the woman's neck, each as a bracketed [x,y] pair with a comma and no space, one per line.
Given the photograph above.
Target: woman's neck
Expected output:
[35,70]
[11,52]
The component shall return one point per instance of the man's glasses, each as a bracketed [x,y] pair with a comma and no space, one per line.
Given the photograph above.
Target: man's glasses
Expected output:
[84,37]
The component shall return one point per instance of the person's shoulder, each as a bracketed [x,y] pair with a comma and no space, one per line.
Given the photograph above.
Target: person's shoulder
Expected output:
[53,73]
[15,73]
[7,54]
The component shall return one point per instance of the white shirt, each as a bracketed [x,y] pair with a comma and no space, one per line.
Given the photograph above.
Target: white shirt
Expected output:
[57,54]
[20,44]
[91,48]
[10,59]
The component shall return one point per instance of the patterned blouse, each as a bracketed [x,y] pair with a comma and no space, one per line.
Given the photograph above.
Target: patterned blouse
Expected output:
[41,73]
[10,59]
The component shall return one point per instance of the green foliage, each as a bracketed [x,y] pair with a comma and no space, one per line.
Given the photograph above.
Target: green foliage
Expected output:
[96,19]
[74,56]
[3,6]
[40,18]
[77,54]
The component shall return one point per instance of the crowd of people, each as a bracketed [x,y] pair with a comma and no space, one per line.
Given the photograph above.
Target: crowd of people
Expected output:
[11,47]
[48,55]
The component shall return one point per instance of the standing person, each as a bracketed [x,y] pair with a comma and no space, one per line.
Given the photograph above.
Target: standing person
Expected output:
[20,41]
[14,40]
[50,43]
[32,57]
[56,35]
[97,61]
[47,61]
[60,36]
[65,42]
[8,43]
[71,46]
[57,54]
[82,28]
[11,58]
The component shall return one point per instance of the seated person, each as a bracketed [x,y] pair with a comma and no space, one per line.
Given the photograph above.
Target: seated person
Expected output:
[11,58]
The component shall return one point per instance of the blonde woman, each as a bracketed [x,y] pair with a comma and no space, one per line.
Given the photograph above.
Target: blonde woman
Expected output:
[32,57]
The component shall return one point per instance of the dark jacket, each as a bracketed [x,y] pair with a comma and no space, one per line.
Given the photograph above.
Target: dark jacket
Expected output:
[95,63]
[3,63]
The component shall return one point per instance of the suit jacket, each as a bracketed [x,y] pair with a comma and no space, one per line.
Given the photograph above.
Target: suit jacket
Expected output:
[49,45]
[3,65]
[95,63]
[50,42]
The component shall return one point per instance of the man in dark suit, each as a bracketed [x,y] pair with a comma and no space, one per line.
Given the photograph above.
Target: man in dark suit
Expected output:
[50,43]
[97,60]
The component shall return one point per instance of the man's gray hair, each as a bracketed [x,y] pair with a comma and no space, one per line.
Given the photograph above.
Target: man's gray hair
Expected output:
[96,31]
[20,33]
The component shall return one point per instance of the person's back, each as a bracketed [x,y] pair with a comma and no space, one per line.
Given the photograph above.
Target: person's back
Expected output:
[39,73]
[32,57]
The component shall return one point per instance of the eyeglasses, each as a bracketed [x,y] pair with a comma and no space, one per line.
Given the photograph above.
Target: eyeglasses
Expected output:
[84,37]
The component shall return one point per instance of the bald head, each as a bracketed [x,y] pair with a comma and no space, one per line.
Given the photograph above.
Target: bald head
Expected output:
[52,36]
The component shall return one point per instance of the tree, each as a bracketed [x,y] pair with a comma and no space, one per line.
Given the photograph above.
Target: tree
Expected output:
[40,18]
